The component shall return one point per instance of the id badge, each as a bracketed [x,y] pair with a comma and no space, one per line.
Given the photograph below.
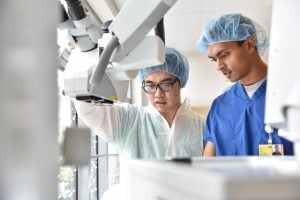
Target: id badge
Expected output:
[271,150]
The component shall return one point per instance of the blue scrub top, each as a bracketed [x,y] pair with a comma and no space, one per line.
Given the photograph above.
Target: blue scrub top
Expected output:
[235,123]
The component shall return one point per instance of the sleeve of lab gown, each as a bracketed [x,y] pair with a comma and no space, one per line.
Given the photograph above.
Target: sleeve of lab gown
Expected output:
[93,117]
[109,122]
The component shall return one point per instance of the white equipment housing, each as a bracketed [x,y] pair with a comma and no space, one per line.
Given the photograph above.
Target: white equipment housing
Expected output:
[85,75]
[283,93]
[81,66]
[217,178]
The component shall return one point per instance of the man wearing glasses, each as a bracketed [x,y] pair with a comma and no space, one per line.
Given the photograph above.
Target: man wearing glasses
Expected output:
[166,128]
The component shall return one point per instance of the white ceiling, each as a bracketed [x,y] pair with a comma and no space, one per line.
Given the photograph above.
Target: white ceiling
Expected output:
[183,25]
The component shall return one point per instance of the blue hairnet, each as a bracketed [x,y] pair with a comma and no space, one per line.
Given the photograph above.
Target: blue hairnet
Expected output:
[175,64]
[232,27]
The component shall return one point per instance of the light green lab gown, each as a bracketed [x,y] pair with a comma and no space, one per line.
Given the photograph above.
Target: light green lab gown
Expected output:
[141,132]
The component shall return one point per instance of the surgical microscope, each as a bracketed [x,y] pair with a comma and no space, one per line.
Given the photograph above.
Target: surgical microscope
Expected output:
[103,58]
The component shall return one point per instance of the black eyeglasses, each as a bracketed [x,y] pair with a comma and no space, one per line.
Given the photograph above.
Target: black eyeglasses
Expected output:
[163,86]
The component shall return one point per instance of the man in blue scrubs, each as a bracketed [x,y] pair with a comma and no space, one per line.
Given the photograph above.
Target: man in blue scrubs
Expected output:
[235,123]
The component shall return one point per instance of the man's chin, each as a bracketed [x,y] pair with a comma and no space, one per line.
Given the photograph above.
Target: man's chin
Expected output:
[232,80]
[161,109]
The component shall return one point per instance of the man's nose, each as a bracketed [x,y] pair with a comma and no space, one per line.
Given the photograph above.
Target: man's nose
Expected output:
[220,64]
[158,91]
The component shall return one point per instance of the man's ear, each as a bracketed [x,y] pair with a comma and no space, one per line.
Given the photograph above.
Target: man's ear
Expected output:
[250,44]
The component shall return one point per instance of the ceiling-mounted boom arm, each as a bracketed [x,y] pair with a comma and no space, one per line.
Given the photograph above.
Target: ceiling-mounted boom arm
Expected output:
[129,28]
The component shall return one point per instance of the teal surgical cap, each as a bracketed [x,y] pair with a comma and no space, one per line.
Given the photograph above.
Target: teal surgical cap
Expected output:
[232,27]
[175,64]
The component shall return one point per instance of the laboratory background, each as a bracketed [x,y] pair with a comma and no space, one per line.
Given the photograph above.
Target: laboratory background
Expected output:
[47,152]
